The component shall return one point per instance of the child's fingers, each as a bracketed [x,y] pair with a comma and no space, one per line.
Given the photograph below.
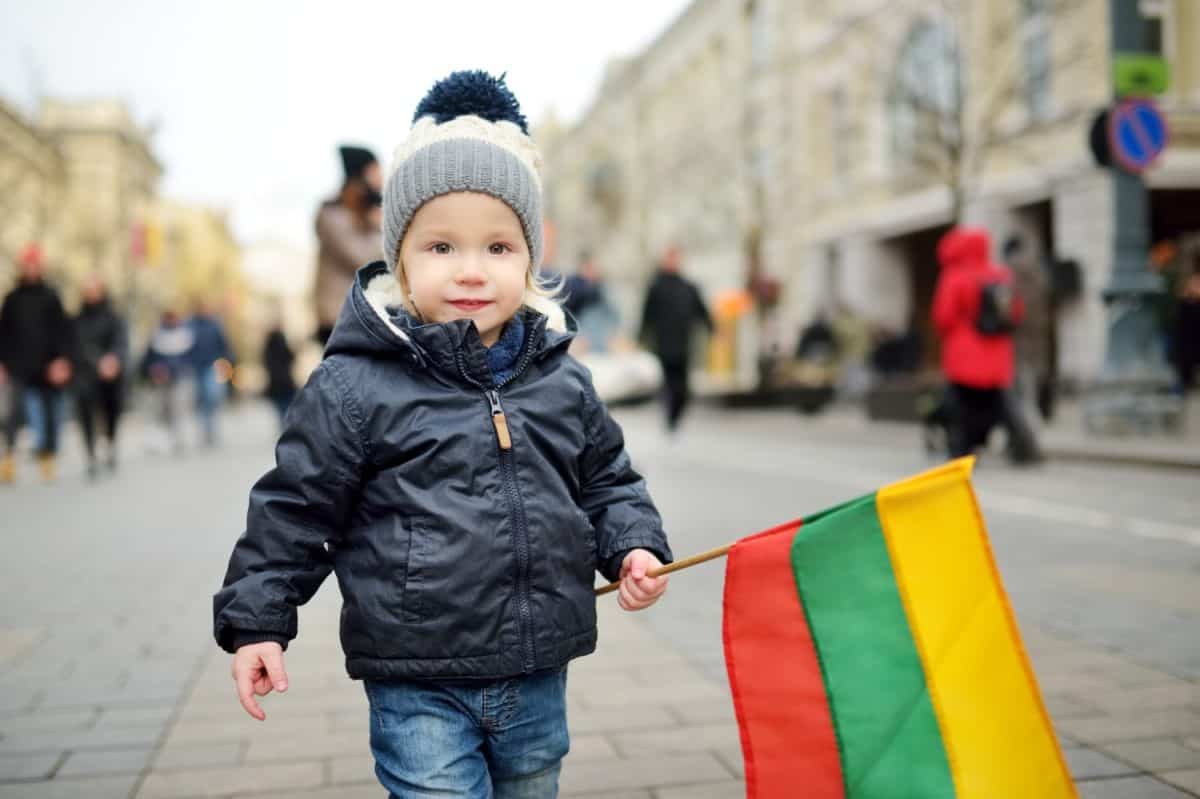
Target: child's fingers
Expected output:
[638,562]
[630,597]
[245,695]
[643,562]
[623,595]
[635,588]
[652,586]
[625,599]
[273,661]
[648,588]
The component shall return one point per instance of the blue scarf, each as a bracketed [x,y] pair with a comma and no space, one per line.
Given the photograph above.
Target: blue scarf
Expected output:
[502,356]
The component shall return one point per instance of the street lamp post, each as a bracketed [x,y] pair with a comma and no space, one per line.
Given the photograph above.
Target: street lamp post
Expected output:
[1132,394]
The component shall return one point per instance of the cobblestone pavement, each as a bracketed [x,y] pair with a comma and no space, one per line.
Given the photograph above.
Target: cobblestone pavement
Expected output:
[110,686]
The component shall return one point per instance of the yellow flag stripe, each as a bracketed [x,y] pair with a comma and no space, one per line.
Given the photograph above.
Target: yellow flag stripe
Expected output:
[995,729]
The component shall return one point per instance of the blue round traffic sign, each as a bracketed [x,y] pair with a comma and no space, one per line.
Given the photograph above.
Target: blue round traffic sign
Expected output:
[1137,134]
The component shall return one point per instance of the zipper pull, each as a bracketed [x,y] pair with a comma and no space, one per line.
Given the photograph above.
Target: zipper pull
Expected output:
[499,421]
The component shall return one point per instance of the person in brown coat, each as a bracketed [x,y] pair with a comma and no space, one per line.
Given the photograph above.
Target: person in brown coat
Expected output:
[348,234]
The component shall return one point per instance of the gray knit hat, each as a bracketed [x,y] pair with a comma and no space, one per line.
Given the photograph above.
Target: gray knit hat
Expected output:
[468,134]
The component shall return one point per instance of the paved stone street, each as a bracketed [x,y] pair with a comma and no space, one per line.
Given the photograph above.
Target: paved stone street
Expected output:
[110,685]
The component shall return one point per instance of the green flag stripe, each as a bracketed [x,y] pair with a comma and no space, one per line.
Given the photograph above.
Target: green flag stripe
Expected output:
[889,737]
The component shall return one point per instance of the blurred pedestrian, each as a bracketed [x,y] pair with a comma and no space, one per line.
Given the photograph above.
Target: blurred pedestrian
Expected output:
[35,358]
[817,341]
[1187,330]
[1033,383]
[672,310]
[167,365]
[581,288]
[586,301]
[278,359]
[212,365]
[895,352]
[348,234]
[101,343]
[976,312]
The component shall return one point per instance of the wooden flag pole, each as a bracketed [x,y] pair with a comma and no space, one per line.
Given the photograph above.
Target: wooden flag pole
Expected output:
[711,554]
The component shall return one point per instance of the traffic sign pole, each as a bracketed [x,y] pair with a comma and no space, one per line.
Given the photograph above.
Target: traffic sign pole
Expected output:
[1132,393]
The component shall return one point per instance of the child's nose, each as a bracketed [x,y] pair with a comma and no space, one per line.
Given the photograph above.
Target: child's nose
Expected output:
[470,272]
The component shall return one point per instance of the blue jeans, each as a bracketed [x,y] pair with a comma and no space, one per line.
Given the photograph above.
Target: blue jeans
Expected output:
[492,740]
[210,393]
[44,410]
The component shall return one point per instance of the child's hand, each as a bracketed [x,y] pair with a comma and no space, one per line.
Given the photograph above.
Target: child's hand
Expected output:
[257,668]
[638,591]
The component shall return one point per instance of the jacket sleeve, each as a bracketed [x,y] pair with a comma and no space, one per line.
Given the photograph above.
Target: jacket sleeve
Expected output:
[281,559]
[702,312]
[64,333]
[946,304]
[223,344]
[613,495]
[148,361]
[119,345]
[6,336]
[649,313]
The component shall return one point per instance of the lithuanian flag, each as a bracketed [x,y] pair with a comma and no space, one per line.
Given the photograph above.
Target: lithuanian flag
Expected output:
[872,654]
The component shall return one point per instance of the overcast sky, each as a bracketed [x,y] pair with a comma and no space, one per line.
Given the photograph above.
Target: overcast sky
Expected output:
[251,98]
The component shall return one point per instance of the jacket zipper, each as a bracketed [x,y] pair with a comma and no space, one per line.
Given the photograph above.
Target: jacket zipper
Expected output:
[499,420]
[516,505]
[520,528]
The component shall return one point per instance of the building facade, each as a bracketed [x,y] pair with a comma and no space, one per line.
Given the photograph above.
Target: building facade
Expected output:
[834,143]
[111,185]
[32,183]
[659,158]
[81,179]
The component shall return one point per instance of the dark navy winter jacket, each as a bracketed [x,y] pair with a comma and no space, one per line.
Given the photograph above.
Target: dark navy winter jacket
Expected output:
[209,343]
[465,543]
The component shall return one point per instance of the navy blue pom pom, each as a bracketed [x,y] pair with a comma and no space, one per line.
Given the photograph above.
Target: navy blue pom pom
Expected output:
[471,92]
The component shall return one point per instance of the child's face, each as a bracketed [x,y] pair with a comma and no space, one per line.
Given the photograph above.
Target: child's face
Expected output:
[464,256]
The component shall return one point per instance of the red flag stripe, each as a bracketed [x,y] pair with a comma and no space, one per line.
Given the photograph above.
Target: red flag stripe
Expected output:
[788,740]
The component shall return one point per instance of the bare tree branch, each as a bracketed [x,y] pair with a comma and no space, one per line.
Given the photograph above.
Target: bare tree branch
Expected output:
[957,107]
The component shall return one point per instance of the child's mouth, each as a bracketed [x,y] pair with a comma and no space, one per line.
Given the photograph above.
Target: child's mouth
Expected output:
[470,305]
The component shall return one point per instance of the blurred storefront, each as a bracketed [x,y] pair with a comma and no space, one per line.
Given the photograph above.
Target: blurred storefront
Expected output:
[790,130]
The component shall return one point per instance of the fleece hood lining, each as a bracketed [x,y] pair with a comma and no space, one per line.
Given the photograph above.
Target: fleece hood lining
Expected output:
[383,291]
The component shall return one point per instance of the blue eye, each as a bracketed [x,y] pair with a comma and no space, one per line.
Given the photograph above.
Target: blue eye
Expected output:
[441,248]
[498,249]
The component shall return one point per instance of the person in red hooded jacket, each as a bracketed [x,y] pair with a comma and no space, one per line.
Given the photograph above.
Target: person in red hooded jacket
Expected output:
[976,311]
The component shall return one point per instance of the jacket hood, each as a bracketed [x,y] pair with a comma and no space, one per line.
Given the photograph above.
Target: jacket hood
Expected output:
[964,247]
[373,322]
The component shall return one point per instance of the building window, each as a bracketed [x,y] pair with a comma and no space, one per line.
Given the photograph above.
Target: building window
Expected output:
[1154,14]
[1159,21]
[924,101]
[1035,46]
[839,118]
